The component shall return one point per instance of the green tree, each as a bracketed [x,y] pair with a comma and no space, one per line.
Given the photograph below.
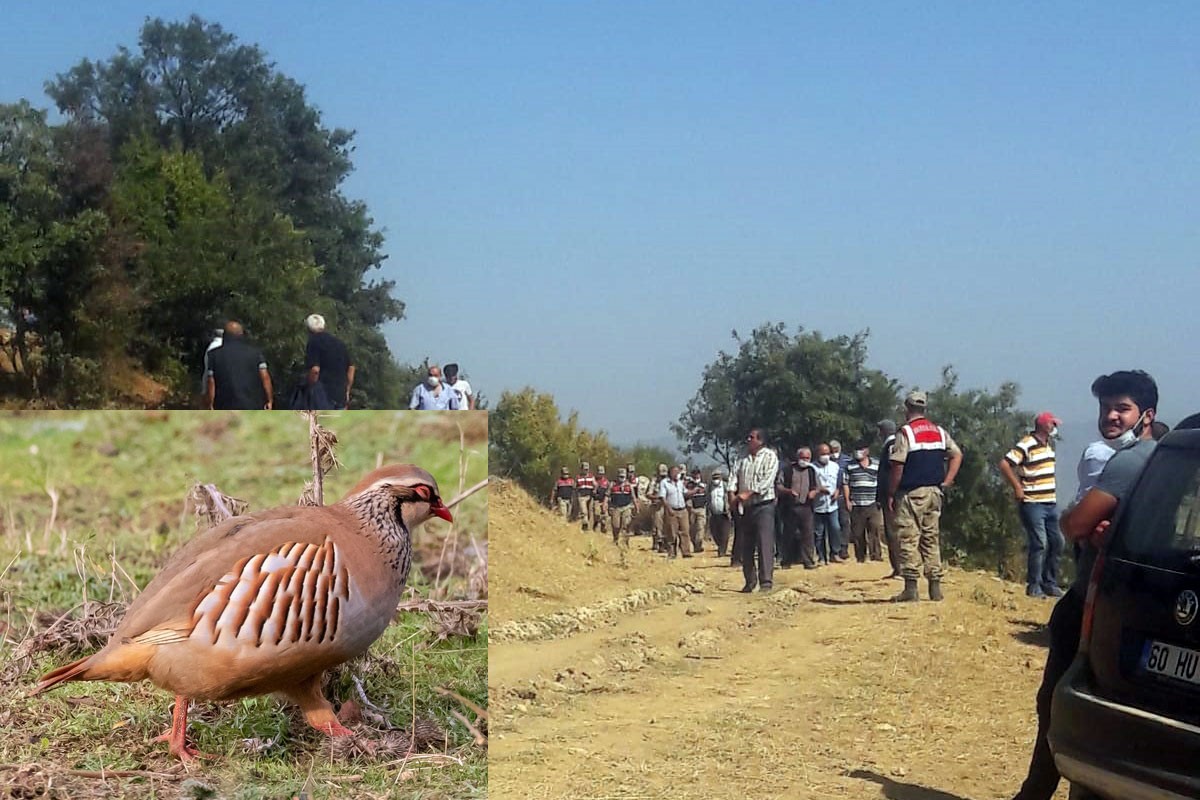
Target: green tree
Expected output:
[801,387]
[193,88]
[203,251]
[49,249]
[530,442]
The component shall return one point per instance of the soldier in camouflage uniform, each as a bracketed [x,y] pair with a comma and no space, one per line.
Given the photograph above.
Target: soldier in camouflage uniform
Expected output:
[641,484]
[924,462]
[563,494]
[585,487]
[600,501]
[622,505]
[656,504]
[696,493]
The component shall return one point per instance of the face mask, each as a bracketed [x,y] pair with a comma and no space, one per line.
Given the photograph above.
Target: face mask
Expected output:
[860,454]
[803,463]
[1127,438]
[432,381]
[1054,432]
[823,459]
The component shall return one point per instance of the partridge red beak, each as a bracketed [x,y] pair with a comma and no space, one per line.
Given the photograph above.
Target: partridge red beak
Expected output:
[440,510]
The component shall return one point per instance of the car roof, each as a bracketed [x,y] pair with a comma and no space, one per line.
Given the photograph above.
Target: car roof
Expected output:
[1182,438]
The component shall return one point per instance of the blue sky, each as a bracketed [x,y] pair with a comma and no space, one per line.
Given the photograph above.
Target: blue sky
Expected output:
[588,197]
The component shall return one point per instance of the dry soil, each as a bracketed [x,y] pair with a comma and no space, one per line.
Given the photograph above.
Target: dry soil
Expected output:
[623,675]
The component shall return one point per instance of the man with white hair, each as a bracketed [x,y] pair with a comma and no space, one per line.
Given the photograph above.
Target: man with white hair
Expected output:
[328,362]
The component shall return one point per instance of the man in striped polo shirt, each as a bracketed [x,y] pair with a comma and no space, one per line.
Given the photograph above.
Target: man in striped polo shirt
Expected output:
[862,496]
[1029,469]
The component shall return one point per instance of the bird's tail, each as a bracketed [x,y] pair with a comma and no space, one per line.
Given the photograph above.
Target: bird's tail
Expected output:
[69,672]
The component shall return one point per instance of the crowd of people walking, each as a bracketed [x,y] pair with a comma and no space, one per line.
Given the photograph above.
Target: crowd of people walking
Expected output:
[805,511]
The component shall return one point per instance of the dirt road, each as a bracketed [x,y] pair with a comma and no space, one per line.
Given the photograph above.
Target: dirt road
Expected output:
[617,676]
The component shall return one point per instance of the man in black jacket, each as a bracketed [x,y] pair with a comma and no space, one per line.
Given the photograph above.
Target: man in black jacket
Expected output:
[796,487]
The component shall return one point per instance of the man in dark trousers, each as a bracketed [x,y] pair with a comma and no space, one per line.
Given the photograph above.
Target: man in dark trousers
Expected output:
[887,435]
[237,376]
[328,363]
[1128,403]
[795,489]
[756,493]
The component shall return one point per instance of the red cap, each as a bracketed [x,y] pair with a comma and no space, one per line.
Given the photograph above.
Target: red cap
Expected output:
[1046,418]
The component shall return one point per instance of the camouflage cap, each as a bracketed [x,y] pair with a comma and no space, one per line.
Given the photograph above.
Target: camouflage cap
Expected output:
[584,465]
[566,471]
[600,469]
[662,469]
[916,399]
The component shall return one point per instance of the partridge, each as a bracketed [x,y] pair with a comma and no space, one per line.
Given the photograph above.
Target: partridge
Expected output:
[266,602]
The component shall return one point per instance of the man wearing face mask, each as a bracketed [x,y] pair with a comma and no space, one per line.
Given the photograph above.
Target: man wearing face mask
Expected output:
[719,519]
[796,487]
[1128,404]
[672,492]
[1029,470]
[827,526]
[861,493]
[924,462]
[432,395]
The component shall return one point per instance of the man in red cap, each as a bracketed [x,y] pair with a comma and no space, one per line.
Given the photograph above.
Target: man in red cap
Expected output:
[1029,469]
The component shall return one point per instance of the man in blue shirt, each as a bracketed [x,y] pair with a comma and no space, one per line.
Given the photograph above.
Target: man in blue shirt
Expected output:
[433,395]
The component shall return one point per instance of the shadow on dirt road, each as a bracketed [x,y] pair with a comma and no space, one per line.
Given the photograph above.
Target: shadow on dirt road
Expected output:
[895,790]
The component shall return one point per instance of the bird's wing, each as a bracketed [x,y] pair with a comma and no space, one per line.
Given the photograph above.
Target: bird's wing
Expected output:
[296,592]
[239,554]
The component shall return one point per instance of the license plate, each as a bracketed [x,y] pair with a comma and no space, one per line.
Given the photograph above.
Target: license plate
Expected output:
[1171,661]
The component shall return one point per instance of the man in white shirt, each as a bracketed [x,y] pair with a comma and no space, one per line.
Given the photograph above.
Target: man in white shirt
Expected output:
[719,520]
[466,398]
[672,492]
[826,525]
[756,493]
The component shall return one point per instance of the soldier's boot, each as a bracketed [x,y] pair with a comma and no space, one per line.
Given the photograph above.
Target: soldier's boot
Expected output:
[935,588]
[909,594]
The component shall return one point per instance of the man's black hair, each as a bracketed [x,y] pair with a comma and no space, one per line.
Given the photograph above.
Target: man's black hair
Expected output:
[762,434]
[450,370]
[1135,384]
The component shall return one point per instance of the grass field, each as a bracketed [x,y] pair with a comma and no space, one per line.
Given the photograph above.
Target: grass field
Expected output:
[92,504]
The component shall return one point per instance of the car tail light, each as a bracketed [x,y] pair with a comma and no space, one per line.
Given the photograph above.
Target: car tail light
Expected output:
[1089,604]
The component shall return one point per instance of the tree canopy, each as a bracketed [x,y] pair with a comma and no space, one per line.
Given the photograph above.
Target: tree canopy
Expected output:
[189,181]
[530,442]
[801,387]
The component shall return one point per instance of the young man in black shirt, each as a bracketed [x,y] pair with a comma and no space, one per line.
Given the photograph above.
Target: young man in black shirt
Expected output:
[237,376]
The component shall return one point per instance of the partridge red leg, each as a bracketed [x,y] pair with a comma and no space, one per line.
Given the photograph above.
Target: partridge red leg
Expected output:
[318,712]
[177,735]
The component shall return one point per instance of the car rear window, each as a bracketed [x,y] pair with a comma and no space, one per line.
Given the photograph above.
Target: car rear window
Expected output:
[1161,525]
